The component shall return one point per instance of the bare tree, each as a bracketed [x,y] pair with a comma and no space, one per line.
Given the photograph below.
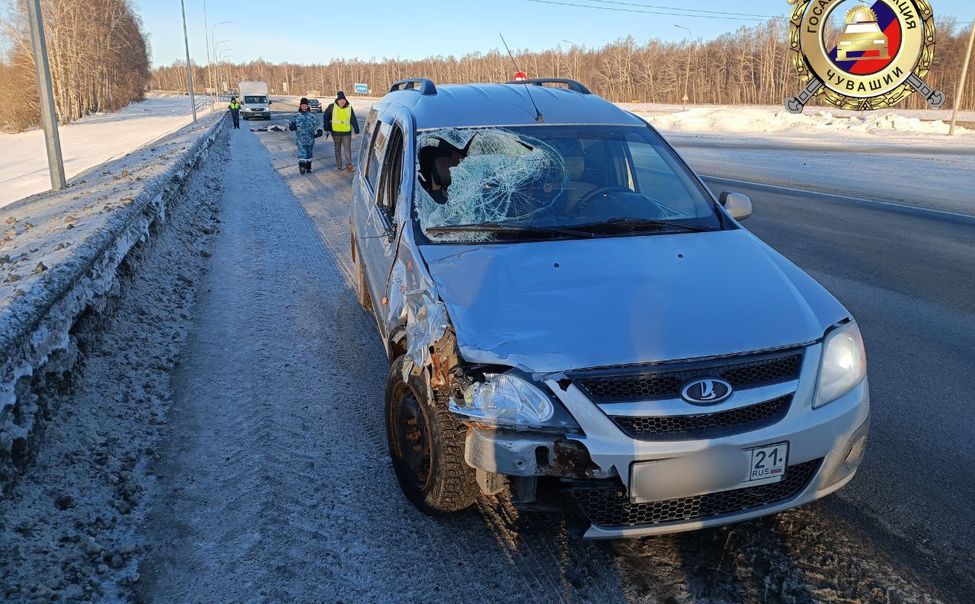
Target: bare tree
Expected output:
[98,53]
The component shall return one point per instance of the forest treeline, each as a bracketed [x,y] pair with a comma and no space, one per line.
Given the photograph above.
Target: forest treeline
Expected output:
[98,54]
[749,66]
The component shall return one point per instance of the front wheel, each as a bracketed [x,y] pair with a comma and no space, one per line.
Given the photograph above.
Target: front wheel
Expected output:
[426,445]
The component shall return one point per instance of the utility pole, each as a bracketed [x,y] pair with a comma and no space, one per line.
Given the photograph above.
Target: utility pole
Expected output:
[189,65]
[687,75]
[206,40]
[52,141]
[961,83]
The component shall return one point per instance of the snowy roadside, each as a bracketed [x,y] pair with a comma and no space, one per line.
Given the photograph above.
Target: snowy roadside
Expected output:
[816,128]
[69,525]
[895,156]
[89,142]
[60,253]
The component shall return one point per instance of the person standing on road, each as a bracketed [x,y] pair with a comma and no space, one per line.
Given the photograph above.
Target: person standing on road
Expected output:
[340,120]
[306,131]
[234,108]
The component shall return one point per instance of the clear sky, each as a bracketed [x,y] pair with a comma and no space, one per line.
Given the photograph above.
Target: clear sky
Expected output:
[310,32]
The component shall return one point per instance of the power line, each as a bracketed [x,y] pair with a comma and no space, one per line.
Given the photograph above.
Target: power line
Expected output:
[650,12]
[689,10]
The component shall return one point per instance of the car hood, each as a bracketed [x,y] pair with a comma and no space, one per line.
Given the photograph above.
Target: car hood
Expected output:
[562,305]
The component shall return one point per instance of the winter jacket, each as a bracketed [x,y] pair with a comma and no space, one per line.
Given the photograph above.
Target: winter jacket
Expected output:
[305,127]
[234,106]
[327,117]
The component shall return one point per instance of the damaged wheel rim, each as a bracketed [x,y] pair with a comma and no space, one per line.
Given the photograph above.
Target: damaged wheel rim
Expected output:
[412,439]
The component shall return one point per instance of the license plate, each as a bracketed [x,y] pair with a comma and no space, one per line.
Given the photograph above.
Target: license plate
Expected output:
[767,464]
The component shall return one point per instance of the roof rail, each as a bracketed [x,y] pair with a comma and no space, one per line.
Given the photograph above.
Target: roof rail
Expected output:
[424,85]
[570,84]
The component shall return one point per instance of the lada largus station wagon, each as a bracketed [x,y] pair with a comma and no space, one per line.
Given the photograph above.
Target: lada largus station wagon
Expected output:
[571,315]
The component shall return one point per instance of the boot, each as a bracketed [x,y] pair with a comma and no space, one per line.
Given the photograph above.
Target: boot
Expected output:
[308,166]
[349,168]
[301,166]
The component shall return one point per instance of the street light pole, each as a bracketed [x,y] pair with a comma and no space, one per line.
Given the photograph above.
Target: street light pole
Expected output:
[52,141]
[687,75]
[961,82]
[218,62]
[213,35]
[189,65]
[220,69]
[206,42]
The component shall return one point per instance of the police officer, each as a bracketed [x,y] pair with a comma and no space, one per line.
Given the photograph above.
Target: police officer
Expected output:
[340,120]
[306,131]
[234,108]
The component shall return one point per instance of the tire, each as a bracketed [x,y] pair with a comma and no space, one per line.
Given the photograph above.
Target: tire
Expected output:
[361,288]
[426,445]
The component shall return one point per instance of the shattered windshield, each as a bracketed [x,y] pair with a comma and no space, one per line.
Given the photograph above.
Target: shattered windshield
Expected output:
[487,184]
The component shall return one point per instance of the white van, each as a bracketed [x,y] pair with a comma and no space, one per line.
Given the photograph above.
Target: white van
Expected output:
[254,100]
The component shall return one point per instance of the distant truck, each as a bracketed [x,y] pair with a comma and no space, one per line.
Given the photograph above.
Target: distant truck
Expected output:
[254,100]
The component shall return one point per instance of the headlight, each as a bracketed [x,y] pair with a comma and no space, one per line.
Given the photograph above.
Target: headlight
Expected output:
[505,399]
[844,364]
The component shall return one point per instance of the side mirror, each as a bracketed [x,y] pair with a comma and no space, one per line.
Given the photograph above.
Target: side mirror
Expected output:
[738,206]
[269,101]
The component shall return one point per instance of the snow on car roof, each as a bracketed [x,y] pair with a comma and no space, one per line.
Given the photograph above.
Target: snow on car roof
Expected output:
[467,105]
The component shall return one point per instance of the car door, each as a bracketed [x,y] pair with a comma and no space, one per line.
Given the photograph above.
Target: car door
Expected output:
[379,234]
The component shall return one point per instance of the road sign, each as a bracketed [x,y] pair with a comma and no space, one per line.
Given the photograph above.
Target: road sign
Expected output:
[520,76]
[361,88]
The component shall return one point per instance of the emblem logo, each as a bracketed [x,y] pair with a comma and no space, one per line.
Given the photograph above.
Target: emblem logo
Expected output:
[707,391]
[862,57]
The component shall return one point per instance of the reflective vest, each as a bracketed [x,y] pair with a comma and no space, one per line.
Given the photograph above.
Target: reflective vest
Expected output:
[342,118]
[234,106]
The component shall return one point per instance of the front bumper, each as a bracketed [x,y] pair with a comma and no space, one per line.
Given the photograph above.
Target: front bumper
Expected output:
[693,488]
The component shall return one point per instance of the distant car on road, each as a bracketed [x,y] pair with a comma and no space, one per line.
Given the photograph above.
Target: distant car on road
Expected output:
[570,311]
[314,105]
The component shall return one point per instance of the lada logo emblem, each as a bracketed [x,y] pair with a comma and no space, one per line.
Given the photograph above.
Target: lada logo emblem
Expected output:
[707,391]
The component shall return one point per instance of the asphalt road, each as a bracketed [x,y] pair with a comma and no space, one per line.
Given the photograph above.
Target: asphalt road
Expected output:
[908,276]
[276,484]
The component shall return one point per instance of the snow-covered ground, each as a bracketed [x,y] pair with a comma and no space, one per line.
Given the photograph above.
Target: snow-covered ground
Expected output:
[901,156]
[764,120]
[89,142]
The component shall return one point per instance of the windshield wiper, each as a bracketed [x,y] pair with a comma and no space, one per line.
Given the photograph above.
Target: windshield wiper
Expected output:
[637,223]
[500,227]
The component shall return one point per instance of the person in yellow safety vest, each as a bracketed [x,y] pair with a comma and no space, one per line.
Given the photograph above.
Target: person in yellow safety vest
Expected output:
[234,108]
[340,120]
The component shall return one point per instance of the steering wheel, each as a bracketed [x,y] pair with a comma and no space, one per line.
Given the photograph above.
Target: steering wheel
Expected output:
[580,206]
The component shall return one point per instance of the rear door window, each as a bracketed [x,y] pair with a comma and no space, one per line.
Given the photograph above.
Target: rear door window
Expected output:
[367,139]
[376,152]
[392,174]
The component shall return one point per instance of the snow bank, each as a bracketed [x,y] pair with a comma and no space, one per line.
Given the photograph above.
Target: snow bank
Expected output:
[59,255]
[758,120]
[88,142]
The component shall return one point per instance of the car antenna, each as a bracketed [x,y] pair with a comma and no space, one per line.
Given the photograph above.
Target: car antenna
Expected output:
[538,114]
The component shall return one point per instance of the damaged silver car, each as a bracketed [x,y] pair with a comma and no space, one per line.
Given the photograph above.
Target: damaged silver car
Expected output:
[571,315]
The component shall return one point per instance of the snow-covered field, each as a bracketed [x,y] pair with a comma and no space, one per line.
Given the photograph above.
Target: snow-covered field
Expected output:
[896,127]
[89,142]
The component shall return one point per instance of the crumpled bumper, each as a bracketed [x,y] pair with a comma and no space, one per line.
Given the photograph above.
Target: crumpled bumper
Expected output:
[634,488]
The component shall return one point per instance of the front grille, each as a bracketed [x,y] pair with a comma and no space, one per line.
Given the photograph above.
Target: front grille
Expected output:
[626,384]
[607,505]
[706,425]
